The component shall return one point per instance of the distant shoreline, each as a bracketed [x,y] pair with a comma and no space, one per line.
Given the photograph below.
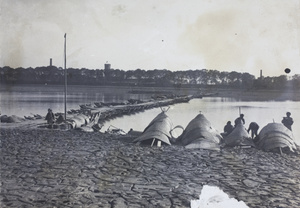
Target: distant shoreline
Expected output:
[212,91]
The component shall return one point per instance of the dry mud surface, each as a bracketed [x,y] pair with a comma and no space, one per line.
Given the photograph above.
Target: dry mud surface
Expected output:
[53,168]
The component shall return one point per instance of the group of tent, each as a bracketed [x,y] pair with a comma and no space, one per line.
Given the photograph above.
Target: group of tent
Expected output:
[199,133]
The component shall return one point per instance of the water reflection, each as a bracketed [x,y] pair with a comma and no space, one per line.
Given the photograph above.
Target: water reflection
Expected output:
[23,100]
[26,100]
[218,111]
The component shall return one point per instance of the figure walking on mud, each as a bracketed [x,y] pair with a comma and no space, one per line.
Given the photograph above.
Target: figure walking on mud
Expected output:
[288,121]
[50,118]
[253,126]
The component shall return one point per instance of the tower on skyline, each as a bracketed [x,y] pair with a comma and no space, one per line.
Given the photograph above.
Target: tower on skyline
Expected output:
[107,66]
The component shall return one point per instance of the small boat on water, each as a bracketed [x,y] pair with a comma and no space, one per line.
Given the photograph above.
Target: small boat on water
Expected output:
[239,137]
[159,129]
[276,136]
[199,133]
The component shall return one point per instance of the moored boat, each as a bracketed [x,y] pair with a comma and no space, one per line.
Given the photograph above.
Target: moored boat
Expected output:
[276,136]
[159,129]
[199,133]
[78,120]
[239,137]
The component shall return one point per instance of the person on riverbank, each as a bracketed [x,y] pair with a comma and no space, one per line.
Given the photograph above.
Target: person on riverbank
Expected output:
[253,127]
[227,128]
[288,121]
[50,117]
[239,120]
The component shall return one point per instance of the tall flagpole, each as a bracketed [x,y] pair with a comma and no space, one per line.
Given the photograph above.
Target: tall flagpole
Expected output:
[65,56]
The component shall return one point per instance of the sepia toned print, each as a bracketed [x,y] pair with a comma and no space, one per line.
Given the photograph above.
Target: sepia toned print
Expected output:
[149,103]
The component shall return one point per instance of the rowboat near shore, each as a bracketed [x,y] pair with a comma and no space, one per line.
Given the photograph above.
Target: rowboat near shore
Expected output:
[87,112]
[159,129]
[274,137]
[239,137]
[199,133]
[107,112]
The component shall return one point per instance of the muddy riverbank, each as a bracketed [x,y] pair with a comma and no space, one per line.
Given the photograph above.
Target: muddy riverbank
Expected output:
[55,168]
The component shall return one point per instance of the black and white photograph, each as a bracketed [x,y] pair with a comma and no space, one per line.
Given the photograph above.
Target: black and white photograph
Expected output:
[157,103]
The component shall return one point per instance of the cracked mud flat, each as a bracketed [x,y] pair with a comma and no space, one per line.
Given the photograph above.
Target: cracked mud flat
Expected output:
[52,168]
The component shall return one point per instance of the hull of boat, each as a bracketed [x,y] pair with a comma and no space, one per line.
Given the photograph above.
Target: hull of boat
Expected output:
[200,134]
[77,121]
[275,135]
[238,137]
[159,128]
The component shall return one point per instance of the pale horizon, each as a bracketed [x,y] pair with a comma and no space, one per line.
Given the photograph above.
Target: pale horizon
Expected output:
[243,36]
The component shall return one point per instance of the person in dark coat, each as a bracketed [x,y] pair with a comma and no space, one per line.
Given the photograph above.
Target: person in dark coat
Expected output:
[239,120]
[228,128]
[288,121]
[50,117]
[253,126]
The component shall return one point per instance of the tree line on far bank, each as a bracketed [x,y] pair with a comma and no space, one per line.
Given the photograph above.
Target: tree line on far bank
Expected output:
[139,77]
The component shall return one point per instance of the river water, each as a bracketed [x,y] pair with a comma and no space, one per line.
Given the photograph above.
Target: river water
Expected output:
[30,99]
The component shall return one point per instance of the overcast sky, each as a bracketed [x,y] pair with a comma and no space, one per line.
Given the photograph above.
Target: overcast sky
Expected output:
[229,35]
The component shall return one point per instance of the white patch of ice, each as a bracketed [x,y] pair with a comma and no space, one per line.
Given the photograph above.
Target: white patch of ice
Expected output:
[214,197]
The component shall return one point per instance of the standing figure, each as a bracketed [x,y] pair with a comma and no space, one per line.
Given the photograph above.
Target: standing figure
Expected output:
[253,126]
[50,117]
[288,121]
[239,120]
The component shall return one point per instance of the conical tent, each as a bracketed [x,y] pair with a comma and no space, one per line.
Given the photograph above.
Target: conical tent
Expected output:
[159,128]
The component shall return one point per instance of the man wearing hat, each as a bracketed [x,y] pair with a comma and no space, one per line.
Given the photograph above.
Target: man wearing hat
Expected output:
[288,121]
